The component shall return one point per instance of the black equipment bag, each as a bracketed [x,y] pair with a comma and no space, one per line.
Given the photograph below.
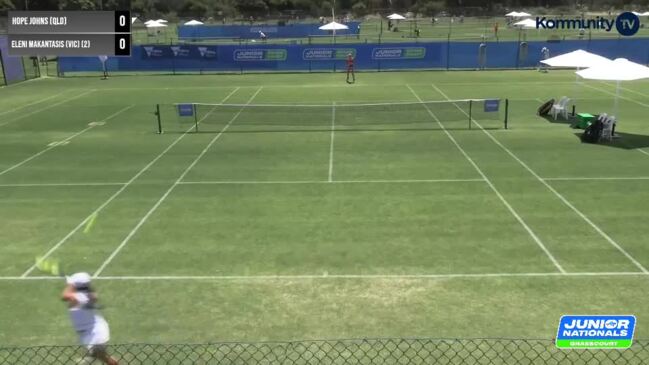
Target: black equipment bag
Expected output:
[545,108]
[593,132]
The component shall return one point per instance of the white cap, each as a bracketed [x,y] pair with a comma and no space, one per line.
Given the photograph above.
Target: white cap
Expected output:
[79,280]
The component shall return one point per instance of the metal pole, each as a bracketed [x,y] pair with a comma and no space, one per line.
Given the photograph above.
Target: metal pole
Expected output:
[195,118]
[506,113]
[157,113]
[470,112]
[4,75]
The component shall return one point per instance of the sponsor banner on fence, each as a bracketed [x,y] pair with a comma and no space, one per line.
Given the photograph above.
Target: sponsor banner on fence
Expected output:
[327,54]
[260,54]
[180,52]
[596,332]
[398,53]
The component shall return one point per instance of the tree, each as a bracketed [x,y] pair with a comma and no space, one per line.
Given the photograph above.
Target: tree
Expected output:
[359,9]
[257,7]
[77,5]
[6,5]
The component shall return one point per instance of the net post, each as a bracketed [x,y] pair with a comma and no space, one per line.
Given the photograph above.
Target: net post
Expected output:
[506,113]
[195,118]
[470,112]
[157,114]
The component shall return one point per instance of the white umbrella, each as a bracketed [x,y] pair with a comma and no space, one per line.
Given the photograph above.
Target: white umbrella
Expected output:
[396,16]
[523,14]
[646,13]
[619,70]
[526,24]
[162,21]
[149,22]
[513,14]
[576,59]
[194,22]
[333,26]
[155,25]
[133,19]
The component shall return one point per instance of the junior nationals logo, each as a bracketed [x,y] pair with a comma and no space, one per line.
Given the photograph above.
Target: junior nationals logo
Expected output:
[595,332]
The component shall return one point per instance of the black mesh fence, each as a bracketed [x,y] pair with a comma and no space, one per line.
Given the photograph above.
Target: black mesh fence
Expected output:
[335,352]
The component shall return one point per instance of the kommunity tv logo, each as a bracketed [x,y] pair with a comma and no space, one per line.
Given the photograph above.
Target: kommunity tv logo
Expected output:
[627,23]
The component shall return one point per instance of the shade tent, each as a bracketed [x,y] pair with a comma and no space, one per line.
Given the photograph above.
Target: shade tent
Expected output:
[333,26]
[526,24]
[162,21]
[156,25]
[646,13]
[193,22]
[576,59]
[618,70]
[396,16]
[516,14]
[149,22]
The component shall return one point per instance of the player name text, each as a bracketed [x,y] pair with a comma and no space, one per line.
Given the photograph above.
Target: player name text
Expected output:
[42,43]
[39,20]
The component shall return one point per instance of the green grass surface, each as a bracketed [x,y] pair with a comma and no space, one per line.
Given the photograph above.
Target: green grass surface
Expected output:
[241,235]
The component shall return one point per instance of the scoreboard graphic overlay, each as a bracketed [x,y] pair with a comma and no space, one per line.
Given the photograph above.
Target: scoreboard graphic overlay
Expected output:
[69,33]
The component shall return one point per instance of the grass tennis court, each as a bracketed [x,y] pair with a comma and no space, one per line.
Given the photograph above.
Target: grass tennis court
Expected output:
[292,225]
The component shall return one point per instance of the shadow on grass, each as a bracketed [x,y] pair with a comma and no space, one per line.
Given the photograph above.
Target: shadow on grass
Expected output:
[626,141]
[560,120]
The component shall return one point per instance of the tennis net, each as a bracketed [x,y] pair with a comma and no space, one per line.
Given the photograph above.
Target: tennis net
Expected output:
[428,115]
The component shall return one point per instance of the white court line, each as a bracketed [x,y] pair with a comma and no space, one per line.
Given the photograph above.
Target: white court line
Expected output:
[493,188]
[33,103]
[331,145]
[115,195]
[171,188]
[47,107]
[620,96]
[62,184]
[280,182]
[556,193]
[595,178]
[340,276]
[65,140]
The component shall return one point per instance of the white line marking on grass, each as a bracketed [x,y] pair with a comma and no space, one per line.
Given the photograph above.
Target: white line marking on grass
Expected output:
[340,276]
[620,96]
[171,188]
[493,188]
[47,107]
[252,182]
[62,184]
[63,142]
[595,178]
[331,145]
[33,103]
[556,193]
[626,89]
[115,195]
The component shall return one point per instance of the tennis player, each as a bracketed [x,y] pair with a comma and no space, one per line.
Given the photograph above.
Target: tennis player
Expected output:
[350,68]
[91,327]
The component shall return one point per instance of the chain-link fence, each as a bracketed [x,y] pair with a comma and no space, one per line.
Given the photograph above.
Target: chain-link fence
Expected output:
[362,352]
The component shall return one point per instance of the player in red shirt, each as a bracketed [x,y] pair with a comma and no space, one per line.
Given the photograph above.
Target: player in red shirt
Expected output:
[350,68]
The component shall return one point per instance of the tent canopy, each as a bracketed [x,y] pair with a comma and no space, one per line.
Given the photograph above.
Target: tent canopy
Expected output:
[133,19]
[162,21]
[576,59]
[193,22]
[396,16]
[619,70]
[526,24]
[516,14]
[155,25]
[149,22]
[333,26]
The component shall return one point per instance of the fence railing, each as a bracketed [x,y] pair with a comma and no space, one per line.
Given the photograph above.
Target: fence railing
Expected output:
[363,352]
